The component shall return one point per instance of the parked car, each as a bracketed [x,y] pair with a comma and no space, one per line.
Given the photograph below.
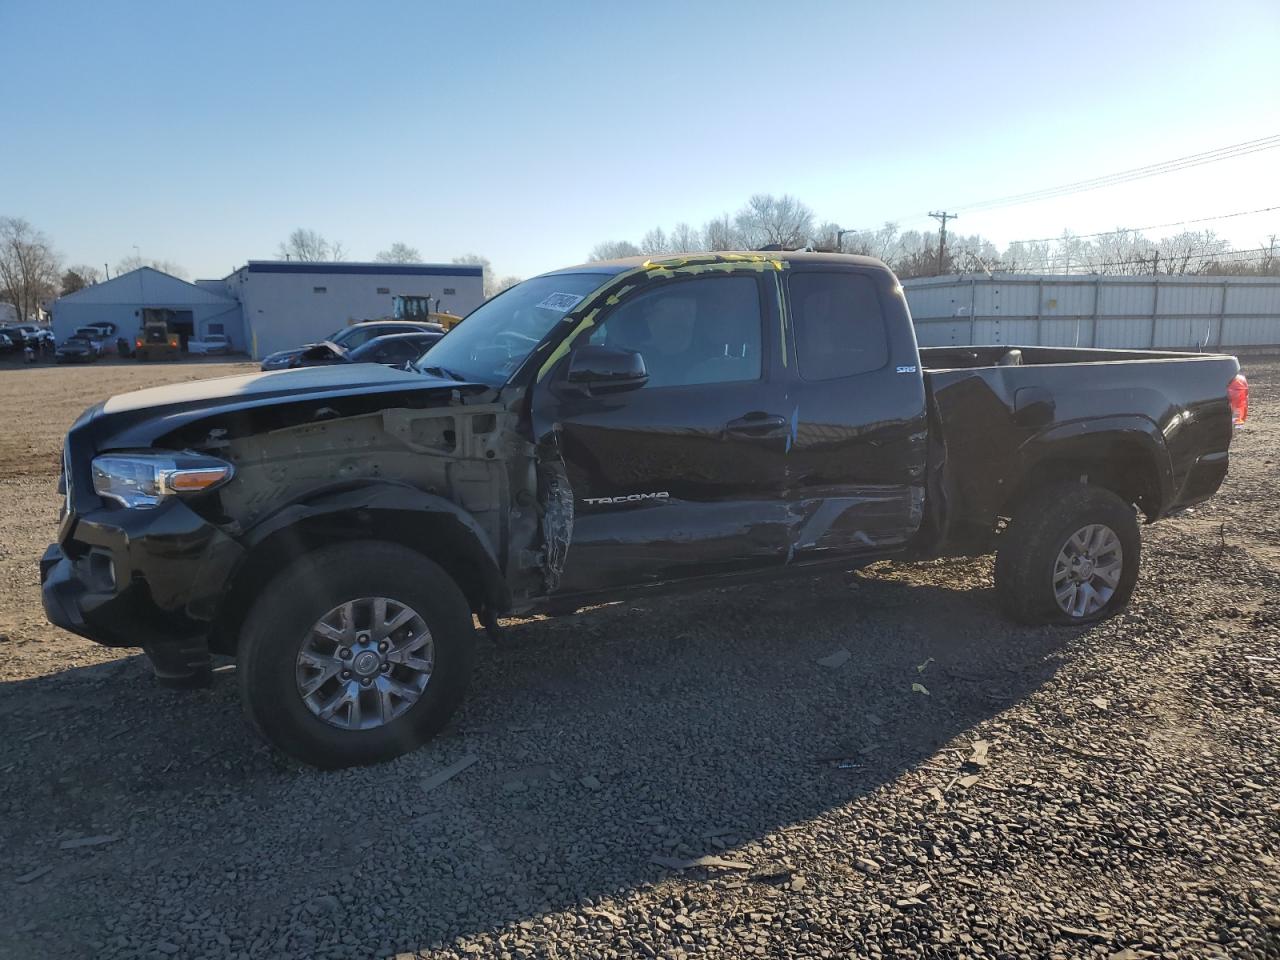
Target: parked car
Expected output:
[6,343]
[349,338]
[394,350]
[27,334]
[107,330]
[603,431]
[76,349]
[94,336]
[213,343]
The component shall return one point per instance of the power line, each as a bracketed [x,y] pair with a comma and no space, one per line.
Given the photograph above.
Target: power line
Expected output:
[1152,226]
[1136,173]
[1215,155]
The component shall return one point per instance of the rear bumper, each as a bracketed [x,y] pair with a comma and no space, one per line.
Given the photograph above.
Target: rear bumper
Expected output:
[1202,480]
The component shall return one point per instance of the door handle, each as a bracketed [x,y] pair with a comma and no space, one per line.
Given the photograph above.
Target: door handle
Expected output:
[756,426]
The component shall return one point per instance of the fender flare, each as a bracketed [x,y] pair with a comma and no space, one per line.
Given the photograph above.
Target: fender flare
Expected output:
[351,506]
[1079,439]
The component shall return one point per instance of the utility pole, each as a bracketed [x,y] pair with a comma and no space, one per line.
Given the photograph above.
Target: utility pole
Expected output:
[943,217]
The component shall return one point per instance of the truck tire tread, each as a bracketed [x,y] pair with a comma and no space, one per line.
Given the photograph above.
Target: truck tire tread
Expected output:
[311,585]
[1036,533]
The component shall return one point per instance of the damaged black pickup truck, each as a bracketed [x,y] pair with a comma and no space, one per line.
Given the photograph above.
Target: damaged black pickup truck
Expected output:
[594,433]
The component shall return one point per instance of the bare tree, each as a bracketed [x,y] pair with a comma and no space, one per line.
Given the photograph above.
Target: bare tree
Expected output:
[28,267]
[133,262]
[768,220]
[399,253]
[685,239]
[78,277]
[1262,262]
[1027,256]
[826,237]
[788,223]
[309,246]
[655,241]
[720,234]
[614,250]
[493,284]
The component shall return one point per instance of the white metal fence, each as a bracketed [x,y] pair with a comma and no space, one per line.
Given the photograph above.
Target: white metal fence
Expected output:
[1170,313]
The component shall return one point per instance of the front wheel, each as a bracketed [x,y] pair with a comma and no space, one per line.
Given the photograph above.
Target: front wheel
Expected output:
[354,654]
[1069,556]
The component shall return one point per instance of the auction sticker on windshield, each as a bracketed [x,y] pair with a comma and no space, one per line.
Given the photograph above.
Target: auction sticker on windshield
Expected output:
[560,302]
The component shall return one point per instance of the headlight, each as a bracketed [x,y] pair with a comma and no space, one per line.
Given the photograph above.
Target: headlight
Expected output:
[144,479]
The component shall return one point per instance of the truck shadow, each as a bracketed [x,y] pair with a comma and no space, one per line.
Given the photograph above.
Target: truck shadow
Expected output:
[677,726]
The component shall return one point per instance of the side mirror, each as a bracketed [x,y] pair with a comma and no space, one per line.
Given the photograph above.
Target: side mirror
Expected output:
[596,370]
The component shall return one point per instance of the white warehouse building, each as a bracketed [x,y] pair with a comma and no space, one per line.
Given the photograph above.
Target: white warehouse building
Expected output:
[268,305]
[129,300]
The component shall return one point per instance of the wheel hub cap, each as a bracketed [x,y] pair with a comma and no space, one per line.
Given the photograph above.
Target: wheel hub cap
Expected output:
[1087,570]
[365,663]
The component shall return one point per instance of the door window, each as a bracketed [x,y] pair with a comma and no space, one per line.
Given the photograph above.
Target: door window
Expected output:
[700,331]
[839,329]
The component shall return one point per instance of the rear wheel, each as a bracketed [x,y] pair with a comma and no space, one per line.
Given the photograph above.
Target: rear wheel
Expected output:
[356,653]
[1069,555]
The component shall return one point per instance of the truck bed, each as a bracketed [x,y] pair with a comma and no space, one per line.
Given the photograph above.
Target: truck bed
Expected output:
[957,358]
[1007,418]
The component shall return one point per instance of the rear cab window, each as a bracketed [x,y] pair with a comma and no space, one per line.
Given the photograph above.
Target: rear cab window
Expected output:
[838,324]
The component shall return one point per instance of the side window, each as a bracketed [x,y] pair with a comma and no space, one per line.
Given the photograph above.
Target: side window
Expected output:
[839,328]
[704,330]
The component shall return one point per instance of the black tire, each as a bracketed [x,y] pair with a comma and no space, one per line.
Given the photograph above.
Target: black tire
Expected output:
[282,617]
[1039,530]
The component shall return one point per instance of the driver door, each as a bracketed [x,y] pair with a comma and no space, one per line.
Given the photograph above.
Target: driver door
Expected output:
[681,477]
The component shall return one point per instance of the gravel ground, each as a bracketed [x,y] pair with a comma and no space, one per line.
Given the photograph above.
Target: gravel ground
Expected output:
[1103,792]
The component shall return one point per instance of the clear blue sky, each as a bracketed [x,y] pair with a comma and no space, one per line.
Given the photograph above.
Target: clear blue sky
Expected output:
[204,132]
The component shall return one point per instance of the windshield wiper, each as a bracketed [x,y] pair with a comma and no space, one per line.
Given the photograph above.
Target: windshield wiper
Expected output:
[443,372]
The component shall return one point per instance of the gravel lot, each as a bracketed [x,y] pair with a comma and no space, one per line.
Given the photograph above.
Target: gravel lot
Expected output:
[1122,800]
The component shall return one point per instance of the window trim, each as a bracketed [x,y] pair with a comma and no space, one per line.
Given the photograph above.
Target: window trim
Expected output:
[793,329]
[644,289]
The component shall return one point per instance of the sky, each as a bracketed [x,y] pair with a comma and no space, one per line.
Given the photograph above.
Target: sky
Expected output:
[203,133]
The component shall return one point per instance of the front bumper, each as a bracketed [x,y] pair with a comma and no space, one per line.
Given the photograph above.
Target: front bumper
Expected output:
[279,361]
[140,578]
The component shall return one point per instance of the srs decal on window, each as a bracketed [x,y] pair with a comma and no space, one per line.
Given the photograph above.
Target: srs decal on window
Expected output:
[628,498]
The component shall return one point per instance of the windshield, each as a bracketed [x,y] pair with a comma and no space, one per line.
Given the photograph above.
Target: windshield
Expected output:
[496,337]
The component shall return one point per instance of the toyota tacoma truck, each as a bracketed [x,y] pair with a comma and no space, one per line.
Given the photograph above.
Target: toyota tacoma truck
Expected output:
[595,433]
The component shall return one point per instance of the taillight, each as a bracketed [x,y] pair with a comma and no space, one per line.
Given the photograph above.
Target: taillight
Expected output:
[1238,396]
[138,342]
